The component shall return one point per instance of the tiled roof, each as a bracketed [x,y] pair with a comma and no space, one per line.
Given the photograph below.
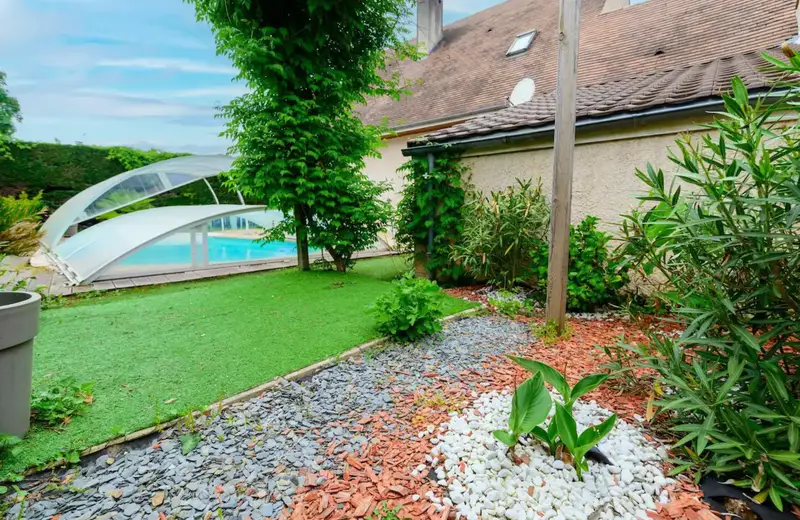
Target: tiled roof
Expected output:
[468,72]
[666,87]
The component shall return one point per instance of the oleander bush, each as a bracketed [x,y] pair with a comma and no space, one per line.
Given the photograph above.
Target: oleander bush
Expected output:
[501,232]
[725,237]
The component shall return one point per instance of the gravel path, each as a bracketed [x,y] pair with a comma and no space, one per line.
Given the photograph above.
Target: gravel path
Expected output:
[249,460]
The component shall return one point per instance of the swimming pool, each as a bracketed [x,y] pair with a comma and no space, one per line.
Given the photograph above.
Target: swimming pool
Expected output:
[220,249]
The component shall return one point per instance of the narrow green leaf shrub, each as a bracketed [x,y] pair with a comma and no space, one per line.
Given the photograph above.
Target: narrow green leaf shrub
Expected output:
[501,232]
[410,310]
[729,250]
[433,198]
[595,276]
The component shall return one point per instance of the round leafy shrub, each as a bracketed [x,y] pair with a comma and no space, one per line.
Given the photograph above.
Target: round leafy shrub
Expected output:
[596,276]
[410,310]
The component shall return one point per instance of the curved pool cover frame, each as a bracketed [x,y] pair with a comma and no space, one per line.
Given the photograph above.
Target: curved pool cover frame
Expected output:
[85,256]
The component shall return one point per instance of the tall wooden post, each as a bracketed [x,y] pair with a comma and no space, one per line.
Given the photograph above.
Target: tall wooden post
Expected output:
[561,201]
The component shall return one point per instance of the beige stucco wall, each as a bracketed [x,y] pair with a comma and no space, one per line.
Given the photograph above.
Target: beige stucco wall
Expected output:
[604,181]
[385,167]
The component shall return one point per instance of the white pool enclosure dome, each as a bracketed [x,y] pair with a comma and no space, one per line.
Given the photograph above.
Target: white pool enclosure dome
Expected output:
[156,240]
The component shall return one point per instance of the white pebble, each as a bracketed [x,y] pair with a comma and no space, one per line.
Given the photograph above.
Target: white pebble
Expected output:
[492,486]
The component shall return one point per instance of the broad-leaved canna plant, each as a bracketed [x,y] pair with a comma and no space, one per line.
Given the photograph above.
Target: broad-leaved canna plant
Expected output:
[579,445]
[529,408]
[562,429]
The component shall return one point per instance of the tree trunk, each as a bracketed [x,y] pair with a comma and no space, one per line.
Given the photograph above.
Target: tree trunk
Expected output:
[339,262]
[301,235]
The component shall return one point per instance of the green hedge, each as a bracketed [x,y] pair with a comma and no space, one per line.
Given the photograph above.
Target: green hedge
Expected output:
[60,171]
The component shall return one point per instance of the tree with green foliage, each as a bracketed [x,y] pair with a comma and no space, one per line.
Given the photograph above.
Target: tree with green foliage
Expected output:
[301,146]
[9,114]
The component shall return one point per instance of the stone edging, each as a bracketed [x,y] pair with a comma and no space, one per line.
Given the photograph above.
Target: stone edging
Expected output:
[271,385]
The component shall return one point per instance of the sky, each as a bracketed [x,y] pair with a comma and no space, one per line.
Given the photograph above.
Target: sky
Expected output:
[138,73]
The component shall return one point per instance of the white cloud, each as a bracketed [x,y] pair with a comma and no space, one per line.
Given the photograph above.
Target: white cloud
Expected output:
[231,91]
[74,104]
[226,92]
[168,64]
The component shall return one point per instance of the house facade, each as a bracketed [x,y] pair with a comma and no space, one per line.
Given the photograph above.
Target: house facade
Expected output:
[648,71]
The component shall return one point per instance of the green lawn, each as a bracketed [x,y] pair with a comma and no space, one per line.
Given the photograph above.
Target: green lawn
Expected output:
[196,343]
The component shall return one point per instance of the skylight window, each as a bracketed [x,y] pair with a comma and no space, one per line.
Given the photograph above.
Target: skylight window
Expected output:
[521,43]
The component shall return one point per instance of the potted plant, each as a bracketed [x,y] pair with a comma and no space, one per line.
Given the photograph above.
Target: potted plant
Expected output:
[19,323]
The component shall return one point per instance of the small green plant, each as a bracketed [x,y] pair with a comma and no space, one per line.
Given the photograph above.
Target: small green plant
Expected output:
[384,512]
[579,445]
[71,457]
[411,309]
[511,305]
[59,401]
[562,429]
[19,223]
[9,447]
[189,421]
[529,408]
[12,278]
[548,332]
[559,381]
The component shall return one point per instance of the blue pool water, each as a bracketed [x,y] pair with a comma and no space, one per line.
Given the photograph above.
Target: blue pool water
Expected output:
[220,249]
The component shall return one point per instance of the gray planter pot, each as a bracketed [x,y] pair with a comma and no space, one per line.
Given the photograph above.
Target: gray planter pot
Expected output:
[19,323]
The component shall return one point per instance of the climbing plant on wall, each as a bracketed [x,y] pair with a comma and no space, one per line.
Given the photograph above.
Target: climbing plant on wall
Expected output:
[432,199]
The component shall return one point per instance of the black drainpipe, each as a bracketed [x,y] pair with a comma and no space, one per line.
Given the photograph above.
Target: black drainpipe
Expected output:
[429,252]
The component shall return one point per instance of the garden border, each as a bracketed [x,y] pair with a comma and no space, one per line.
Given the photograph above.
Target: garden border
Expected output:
[276,382]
